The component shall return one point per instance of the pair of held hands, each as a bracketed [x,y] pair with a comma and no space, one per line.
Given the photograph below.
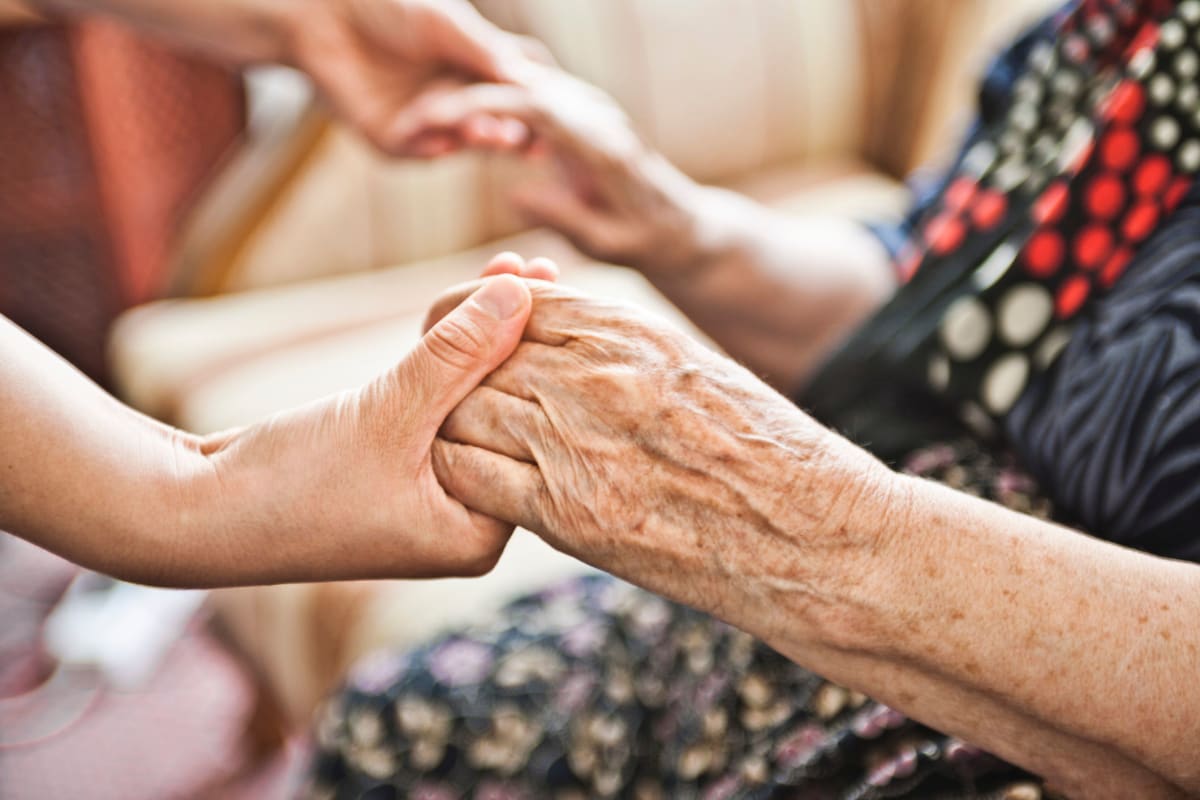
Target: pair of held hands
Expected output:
[617,438]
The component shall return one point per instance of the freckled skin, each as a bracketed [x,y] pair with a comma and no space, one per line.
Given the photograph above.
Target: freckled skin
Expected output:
[673,467]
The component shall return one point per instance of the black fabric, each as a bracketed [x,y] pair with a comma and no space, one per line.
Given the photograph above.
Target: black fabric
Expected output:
[1112,432]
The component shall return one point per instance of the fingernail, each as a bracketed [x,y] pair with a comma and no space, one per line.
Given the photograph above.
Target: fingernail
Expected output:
[501,297]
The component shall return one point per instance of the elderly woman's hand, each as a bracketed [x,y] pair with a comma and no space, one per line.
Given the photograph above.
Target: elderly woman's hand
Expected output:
[629,445]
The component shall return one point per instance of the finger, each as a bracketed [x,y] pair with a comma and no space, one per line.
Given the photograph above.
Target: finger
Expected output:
[496,421]
[463,347]
[433,145]
[559,311]
[489,483]
[508,263]
[450,109]
[497,134]
[505,263]
[542,269]
[525,374]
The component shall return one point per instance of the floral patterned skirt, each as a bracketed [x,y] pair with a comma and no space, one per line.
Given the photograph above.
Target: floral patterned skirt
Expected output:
[598,689]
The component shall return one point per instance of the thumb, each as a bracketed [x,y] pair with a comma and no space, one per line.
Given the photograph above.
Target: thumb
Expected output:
[464,347]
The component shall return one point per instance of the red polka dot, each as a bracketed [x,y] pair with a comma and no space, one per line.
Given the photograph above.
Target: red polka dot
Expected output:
[1105,196]
[1076,48]
[1126,102]
[1119,148]
[1092,246]
[1115,266]
[944,233]
[1048,209]
[1147,36]
[959,193]
[989,209]
[1140,221]
[1176,191]
[1152,175]
[1044,253]
[1071,296]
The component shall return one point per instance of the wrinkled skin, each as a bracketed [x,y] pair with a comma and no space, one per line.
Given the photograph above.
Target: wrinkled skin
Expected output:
[629,445]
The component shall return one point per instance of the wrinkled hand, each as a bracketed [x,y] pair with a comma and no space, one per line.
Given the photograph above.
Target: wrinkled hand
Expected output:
[372,58]
[613,197]
[629,445]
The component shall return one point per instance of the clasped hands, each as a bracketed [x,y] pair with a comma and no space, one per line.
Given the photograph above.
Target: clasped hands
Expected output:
[624,442]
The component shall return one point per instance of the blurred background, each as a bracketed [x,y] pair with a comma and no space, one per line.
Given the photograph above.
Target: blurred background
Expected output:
[211,248]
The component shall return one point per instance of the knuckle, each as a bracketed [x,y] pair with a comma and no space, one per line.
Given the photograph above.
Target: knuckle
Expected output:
[458,341]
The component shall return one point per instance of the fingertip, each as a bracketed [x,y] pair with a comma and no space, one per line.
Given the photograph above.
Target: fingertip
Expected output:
[506,263]
[504,297]
[541,268]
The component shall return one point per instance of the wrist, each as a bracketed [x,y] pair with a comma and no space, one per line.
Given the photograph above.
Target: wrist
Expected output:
[684,242]
[850,526]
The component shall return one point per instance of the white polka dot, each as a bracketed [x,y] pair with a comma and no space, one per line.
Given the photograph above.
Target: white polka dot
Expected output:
[1023,313]
[1068,83]
[1189,11]
[1188,157]
[1028,88]
[1172,34]
[1187,64]
[1164,132]
[1076,140]
[1162,89]
[966,329]
[1004,383]
[1187,99]
[1023,116]
[994,266]
[1042,58]
[1044,150]
[1051,346]
[939,372]
[979,158]
[1100,30]
[1011,174]
[1141,64]
[1011,142]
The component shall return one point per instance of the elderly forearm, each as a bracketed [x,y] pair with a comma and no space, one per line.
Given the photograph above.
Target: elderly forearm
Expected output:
[1072,657]
[775,291]
[238,31]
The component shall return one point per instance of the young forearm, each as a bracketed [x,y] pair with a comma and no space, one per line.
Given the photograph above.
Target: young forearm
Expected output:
[1071,657]
[82,475]
[775,291]
[236,31]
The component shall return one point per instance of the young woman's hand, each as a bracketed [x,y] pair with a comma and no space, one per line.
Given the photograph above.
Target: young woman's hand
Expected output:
[612,196]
